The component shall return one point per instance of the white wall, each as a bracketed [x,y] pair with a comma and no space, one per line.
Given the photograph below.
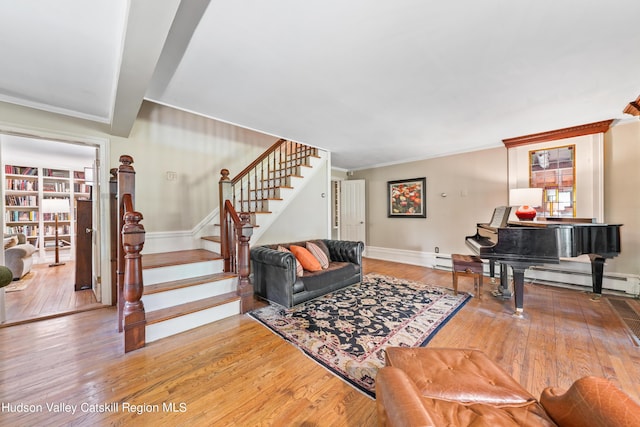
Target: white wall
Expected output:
[195,148]
[307,216]
[474,185]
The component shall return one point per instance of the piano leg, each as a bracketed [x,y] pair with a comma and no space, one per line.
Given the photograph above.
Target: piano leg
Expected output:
[518,289]
[504,289]
[492,270]
[597,271]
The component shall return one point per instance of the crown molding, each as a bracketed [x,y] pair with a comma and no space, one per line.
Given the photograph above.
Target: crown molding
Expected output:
[633,108]
[553,135]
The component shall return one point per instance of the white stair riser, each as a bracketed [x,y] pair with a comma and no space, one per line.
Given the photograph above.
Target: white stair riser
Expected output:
[271,193]
[256,205]
[176,325]
[166,299]
[151,276]
[211,246]
[291,169]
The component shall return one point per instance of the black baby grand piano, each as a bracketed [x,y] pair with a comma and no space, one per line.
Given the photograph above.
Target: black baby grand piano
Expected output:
[521,244]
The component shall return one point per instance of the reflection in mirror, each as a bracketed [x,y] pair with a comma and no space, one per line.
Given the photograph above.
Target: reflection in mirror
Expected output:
[553,170]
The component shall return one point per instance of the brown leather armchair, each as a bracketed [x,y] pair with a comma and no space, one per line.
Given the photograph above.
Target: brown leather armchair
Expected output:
[458,387]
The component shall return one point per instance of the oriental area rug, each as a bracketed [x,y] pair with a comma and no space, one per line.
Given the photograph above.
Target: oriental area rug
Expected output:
[347,331]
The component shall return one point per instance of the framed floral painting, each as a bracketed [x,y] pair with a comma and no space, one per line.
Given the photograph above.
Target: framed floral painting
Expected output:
[406,198]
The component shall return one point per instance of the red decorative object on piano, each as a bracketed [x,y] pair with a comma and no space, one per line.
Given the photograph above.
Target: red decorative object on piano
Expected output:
[526,213]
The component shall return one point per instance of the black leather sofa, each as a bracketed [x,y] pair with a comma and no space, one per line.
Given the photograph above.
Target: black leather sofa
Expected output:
[275,279]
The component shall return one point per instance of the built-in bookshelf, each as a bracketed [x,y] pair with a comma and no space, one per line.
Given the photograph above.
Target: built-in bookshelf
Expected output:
[26,192]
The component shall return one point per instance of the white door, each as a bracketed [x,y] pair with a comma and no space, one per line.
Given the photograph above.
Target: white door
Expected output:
[352,210]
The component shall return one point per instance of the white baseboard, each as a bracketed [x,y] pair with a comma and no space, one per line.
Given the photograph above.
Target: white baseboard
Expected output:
[574,272]
[403,256]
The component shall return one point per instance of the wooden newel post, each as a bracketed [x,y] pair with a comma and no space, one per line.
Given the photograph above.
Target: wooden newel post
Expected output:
[133,313]
[126,184]
[245,288]
[224,192]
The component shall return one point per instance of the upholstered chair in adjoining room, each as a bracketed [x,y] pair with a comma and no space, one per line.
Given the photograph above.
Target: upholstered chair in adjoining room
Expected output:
[18,254]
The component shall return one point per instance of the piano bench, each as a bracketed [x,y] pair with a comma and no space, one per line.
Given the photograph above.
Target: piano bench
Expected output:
[467,265]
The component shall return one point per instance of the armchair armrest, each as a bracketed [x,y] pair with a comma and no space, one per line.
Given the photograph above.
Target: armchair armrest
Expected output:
[398,400]
[278,270]
[19,251]
[590,401]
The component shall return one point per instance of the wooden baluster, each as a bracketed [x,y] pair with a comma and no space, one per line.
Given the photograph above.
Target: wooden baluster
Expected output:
[134,315]
[256,190]
[245,288]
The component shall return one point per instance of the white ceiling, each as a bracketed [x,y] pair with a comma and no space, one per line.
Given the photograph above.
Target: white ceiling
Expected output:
[376,82]
[18,150]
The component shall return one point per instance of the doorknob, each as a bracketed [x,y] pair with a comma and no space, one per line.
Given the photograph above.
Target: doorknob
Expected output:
[88,230]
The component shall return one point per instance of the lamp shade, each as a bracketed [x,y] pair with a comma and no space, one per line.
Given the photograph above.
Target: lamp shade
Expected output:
[88,176]
[526,199]
[55,205]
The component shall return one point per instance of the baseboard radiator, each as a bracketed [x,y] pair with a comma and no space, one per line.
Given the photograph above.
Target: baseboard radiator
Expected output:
[573,274]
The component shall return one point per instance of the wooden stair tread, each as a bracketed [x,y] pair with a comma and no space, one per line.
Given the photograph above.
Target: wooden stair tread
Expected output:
[275,187]
[168,313]
[212,238]
[286,168]
[185,283]
[261,199]
[165,259]
[282,176]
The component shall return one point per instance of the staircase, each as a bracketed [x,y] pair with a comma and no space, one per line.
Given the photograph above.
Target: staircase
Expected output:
[184,290]
[187,289]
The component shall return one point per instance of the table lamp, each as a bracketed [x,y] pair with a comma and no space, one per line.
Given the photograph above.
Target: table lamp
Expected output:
[527,199]
[56,207]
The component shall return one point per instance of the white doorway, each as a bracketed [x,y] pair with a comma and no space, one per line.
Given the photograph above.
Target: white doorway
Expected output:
[73,157]
[353,224]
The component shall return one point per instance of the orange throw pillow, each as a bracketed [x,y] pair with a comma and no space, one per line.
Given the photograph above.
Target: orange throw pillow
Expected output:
[306,258]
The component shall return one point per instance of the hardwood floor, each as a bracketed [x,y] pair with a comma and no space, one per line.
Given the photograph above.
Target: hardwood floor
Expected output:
[49,292]
[237,373]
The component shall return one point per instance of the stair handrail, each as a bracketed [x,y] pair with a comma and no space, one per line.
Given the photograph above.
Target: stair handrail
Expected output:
[257,161]
[131,236]
[259,177]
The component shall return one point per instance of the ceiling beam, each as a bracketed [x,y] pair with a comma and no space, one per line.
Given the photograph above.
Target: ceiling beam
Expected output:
[148,25]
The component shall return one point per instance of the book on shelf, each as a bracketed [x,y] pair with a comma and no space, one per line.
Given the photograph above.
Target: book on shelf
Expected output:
[20,170]
[21,185]
[55,173]
[13,200]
